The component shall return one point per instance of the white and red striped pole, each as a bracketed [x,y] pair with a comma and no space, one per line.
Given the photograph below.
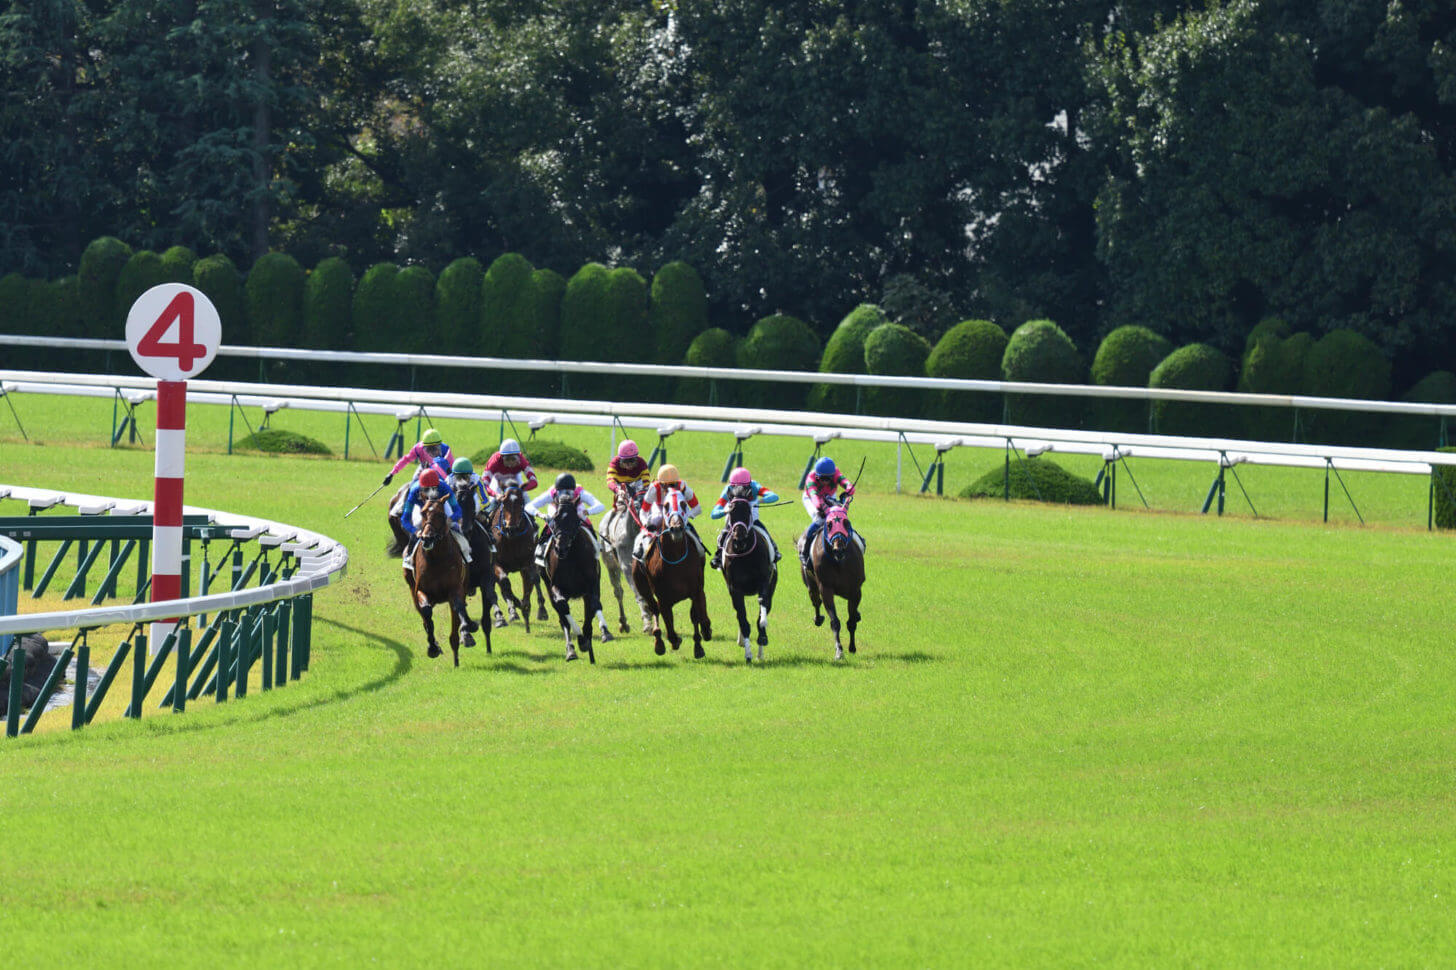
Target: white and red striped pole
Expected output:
[167,500]
[173,332]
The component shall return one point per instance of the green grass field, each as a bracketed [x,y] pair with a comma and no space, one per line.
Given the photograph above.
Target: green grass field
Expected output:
[1072,737]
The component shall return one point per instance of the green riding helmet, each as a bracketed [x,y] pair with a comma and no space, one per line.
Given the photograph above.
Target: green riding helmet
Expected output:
[432,437]
[462,466]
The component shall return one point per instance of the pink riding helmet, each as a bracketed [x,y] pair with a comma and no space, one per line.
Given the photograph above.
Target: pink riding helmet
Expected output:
[740,476]
[627,449]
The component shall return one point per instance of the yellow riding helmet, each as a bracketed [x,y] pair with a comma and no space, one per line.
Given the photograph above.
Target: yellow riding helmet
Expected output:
[432,437]
[668,475]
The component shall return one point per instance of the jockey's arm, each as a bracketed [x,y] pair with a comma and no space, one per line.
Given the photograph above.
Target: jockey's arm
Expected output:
[694,508]
[453,510]
[407,510]
[405,459]
[528,479]
[812,503]
[539,502]
[591,505]
[764,495]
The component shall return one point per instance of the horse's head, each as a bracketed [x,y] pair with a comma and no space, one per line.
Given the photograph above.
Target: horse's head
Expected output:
[740,524]
[565,524]
[836,531]
[674,516]
[629,496]
[434,525]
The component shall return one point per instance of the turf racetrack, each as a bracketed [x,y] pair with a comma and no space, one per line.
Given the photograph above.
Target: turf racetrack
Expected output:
[1071,737]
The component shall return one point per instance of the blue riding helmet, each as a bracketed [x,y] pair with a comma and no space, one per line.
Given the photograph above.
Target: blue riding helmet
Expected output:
[824,467]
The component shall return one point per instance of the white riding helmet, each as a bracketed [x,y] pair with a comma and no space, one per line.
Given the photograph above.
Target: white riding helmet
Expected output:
[510,447]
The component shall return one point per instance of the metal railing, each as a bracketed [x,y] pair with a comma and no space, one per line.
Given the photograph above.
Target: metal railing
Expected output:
[261,620]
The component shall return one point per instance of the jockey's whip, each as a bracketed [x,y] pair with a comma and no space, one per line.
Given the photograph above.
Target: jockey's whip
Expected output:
[860,472]
[361,504]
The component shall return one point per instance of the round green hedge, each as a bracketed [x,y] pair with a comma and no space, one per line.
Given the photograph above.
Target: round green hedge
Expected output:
[142,272]
[177,262]
[1266,329]
[414,300]
[1125,358]
[893,349]
[373,314]
[14,304]
[1443,493]
[1196,367]
[1038,479]
[504,290]
[971,350]
[279,442]
[328,295]
[543,313]
[1273,364]
[1041,352]
[1418,432]
[274,291]
[1344,363]
[778,342]
[101,263]
[844,354]
[714,347]
[457,306]
[219,279]
[679,310]
[545,453]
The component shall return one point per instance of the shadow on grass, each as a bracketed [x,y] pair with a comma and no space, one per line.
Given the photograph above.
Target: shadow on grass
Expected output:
[851,660]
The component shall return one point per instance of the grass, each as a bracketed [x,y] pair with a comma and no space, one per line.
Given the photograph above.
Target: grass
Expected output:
[1071,737]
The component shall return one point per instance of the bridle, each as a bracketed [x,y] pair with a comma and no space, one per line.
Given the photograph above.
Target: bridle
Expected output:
[736,528]
[513,508]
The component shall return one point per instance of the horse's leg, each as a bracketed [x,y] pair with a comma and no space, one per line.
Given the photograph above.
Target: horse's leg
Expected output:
[427,614]
[828,598]
[584,639]
[541,613]
[503,580]
[455,635]
[812,583]
[765,604]
[698,612]
[614,573]
[742,613]
[645,602]
[673,637]
[460,610]
[568,623]
[853,600]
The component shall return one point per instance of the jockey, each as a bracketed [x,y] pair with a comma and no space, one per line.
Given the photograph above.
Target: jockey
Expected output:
[626,466]
[504,467]
[431,452]
[742,485]
[654,509]
[565,490]
[464,481]
[427,487]
[818,492]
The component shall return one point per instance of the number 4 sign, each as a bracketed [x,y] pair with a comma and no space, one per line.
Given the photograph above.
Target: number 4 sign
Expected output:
[173,331]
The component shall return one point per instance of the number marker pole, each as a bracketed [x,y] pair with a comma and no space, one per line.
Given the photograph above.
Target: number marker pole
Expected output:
[167,501]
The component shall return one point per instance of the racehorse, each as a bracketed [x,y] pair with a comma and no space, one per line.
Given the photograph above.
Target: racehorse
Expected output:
[836,568]
[748,570]
[514,534]
[619,533]
[439,576]
[671,571]
[480,573]
[572,572]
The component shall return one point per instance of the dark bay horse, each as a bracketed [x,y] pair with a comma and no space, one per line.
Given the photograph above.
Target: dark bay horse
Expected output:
[439,576]
[748,570]
[836,568]
[671,572]
[480,572]
[572,572]
[514,534]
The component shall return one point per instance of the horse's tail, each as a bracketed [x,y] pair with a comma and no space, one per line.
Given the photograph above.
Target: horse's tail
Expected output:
[394,547]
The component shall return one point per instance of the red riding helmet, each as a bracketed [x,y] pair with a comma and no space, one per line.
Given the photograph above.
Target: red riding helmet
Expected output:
[430,478]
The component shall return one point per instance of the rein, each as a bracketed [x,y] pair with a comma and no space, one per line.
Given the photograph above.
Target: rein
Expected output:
[730,552]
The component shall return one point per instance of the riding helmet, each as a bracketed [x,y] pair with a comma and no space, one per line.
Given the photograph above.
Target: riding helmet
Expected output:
[430,478]
[510,447]
[824,467]
[740,476]
[432,437]
[566,482]
[668,475]
[627,449]
[463,466]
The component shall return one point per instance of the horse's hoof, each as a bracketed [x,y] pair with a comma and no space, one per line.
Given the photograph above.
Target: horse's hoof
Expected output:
[659,649]
[500,623]
[570,655]
[708,634]
[541,614]
[469,640]
[434,651]
[762,639]
[698,652]
[760,652]
[851,648]
[624,628]
[818,621]
[471,626]
[607,636]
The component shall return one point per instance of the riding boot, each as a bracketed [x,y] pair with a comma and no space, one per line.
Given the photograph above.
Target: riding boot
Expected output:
[717,561]
[409,552]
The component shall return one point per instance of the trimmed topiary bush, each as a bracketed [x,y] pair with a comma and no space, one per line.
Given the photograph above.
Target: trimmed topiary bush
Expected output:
[970,350]
[1196,367]
[1038,479]
[15,305]
[1040,351]
[586,323]
[219,279]
[1265,329]
[101,265]
[626,322]
[545,453]
[893,349]
[142,272]
[844,354]
[457,307]
[56,306]
[679,310]
[177,263]
[778,342]
[717,348]
[414,309]
[1344,363]
[279,442]
[1417,432]
[1126,358]
[1272,365]
[374,309]
[274,291]
[504,292]
[543,313]
[328,298]
[1443,493]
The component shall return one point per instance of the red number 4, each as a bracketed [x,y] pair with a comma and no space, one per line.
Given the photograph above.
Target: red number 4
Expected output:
[184,348]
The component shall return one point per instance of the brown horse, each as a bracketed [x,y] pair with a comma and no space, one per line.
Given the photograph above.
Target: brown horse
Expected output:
[513,532]
[672,571]
[439,576]
[836,568]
